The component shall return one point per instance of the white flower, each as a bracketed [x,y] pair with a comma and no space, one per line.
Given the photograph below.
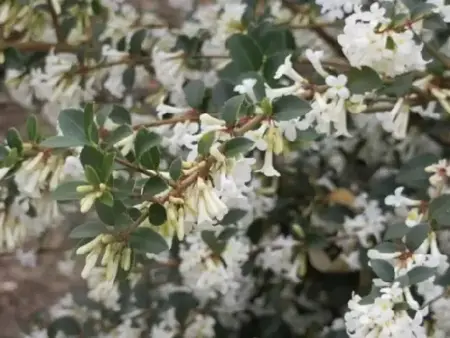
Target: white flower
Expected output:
[440,170]
[442,8]
[364,40]
[398,199]
[286,69]
[336,9]
[246,87]
[337,86]
[314,57]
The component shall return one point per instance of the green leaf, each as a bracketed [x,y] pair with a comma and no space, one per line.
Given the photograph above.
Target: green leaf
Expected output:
[144,141]
[237,146]
[105,212]
[245,52]
[136,41]
[400,86]
[106,198]
[416,275]
[94,157]
[71,123]
[277,39]
[195,91]
[154,186]
[440,210]
[205,143]
[233,216]
[233,109]
[151,159]
[67,191]
[13,139]
[107,165]
[175,168]
[128,77]
[416,236]
[67,325]
[32,128]
[396,231]
[388,247]
[157,214]
[363,80]
[221,92]
[118,134]
[412,174]
[390,43]
[60,142]
[146,240]
[383,269]
[289,107]
[90,129]
[89,229]
[120,115]
[91,175]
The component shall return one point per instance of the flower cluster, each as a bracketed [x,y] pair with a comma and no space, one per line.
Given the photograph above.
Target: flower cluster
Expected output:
[243,169]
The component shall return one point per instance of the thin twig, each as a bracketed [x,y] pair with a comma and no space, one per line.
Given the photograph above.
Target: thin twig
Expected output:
[55,21]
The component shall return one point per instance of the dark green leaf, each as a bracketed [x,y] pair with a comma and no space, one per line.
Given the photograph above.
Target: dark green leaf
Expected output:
[146,240]
[383,269]
[400,86]
[120,115]
[416,275]
[89,229]
[157,214]
[175,168]
[412,174]
[128,77]
[440,210]
[144,141]
[195,92]
[289,107]
[237,146]
[271,65]
[245,52]
[205,143]
[60,142]
[221,92]
[91,175]
[233,109]
[233,216]
[136,41]
[118,134]
[108,164]
[93,157]
[71,123]
[90,129]
[32,128]
[396,231]
[363,80]
[154,186]
[390,44]
[151,158]
[106,198]
[67,191]
[66,325]
[216,245]
[416,236]
[278,39]
[13,139]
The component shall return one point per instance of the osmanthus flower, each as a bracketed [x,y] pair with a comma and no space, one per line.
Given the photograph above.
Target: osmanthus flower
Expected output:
[382,319]
[396,121]
[364,42]
[337,9]
[207,274]
[203,203]
[44,171]
[287,69]
[442,8]
[13,229]
[398,199]
[440,171]
[113,253]
[315,58]
[278,256]
[58,81]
